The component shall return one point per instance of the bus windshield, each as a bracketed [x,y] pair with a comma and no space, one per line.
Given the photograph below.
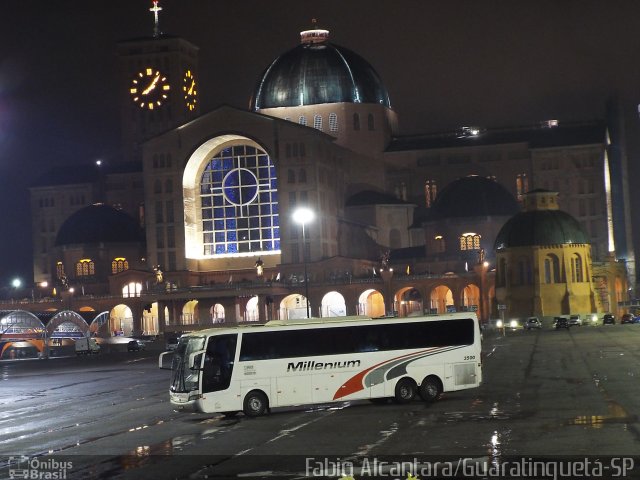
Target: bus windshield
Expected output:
[183,379]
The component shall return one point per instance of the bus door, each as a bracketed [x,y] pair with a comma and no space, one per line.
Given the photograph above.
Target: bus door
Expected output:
[217,366]
[460,375]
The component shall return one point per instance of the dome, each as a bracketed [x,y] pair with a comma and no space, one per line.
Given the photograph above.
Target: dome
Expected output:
[317,72]
[473,196]
[540,227]
[98,224]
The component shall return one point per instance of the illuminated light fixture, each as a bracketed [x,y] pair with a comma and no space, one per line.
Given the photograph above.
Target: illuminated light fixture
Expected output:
[467,132]
[469,234]
[438,237]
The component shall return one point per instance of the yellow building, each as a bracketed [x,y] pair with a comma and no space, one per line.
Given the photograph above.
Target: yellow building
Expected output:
[544,265]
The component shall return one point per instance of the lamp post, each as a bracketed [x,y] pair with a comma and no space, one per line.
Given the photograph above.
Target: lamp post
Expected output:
[303,216]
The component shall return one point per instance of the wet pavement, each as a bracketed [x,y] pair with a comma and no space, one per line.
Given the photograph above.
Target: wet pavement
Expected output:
[547,394]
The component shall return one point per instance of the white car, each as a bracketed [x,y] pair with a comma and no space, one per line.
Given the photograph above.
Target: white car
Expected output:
[532,322]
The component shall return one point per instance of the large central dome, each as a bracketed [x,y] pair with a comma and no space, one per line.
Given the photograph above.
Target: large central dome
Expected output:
[318,72]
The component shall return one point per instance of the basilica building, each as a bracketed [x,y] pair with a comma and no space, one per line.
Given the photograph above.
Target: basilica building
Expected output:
[199,223]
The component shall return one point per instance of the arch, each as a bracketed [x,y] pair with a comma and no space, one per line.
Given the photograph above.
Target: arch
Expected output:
[471,297]
[552,269]
[121,320]
[189,313]
[99,326]
[230,200]
[441,298]
[150,319]
[523,271]
[293,306]
[132,289]
[371,303]
[252,310]
[502,273]
[333,305]
[67,321]
[577,268]
[217,313]
[408,302]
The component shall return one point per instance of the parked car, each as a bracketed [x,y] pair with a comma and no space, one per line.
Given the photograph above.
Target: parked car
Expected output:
[608,319]
[532,322]
[172,343]
[626,318]
[575,320]
[135,345]
[562,322]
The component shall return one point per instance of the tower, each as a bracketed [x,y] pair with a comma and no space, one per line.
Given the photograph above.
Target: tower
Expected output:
[158,85]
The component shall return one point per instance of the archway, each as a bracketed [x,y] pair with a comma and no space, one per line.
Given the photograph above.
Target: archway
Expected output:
[217,313]
[371,303]
[408,302]
[333,305]
[471,297]
[189,311]
[441,298]
[293,307]
[150,319]
[121,321]
[252,312]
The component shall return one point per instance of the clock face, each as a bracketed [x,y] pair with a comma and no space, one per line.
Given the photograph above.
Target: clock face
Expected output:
[149,89]
[189,88]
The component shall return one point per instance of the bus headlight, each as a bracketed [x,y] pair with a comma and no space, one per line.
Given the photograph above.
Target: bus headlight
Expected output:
[513,324]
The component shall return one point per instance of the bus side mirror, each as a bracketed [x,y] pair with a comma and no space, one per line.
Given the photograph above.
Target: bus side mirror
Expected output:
[195,360]
[164,363]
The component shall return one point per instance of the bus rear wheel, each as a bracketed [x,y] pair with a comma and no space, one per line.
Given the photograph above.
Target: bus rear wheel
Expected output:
[405,390]
[255,404]
[430,389]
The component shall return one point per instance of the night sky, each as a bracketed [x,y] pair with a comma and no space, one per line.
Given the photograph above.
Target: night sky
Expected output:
[445,64]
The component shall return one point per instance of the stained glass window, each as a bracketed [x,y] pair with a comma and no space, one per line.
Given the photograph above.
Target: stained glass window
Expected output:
[238,191]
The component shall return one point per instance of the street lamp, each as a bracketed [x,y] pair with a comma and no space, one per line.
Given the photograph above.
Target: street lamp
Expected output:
[303,216]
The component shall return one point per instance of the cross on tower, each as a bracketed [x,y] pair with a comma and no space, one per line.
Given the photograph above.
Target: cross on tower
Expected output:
[156,26]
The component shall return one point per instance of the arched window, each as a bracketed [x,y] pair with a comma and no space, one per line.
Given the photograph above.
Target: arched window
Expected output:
[502,272]
[333,122]
[551,269]
[577,274]
[239,198]
[470,241]
[522,184]
[85,268]
[60,270]
[302,120]
[370,122]
[317,122]
[356,121]
[439,245]
[523,272]
[119,265]
[430,192]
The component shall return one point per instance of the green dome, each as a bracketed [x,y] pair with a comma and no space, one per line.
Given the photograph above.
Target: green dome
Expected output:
[540,227]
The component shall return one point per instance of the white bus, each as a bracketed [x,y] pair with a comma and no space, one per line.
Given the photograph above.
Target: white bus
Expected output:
[255,368]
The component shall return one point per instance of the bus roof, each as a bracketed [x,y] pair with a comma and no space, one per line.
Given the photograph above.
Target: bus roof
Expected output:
[335,321]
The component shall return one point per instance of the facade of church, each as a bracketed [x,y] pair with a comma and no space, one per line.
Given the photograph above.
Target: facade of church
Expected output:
[402,224]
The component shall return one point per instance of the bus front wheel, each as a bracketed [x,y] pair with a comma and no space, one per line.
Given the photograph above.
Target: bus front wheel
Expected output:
[405,390]
[255,404]
[430,389]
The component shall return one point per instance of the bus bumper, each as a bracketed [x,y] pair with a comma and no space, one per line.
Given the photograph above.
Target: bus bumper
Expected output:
[184,402]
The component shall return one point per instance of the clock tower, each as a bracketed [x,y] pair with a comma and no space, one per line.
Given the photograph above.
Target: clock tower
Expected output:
[158,87]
